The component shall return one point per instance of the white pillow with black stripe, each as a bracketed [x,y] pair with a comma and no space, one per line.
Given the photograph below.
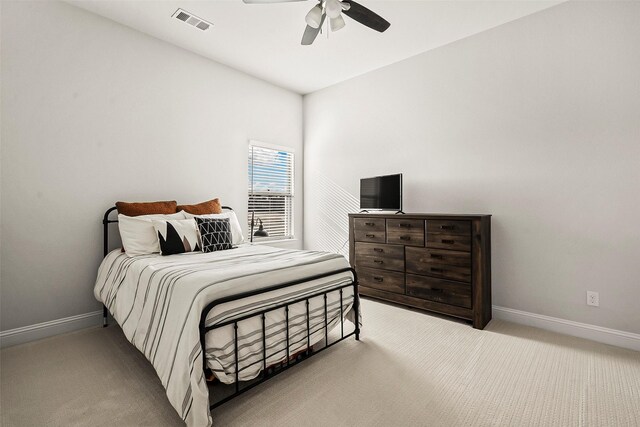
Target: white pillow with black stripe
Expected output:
[138,235]
[177,236]
[215,234]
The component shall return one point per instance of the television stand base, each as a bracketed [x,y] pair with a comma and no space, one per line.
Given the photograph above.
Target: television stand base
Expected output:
[396,213]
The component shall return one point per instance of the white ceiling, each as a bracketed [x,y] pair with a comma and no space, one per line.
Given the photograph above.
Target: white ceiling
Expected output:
[264,39]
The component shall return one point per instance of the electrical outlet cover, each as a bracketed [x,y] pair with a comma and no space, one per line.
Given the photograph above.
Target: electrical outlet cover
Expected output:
[593,298]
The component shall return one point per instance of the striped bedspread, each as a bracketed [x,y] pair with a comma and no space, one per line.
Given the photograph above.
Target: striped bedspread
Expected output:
[158,301]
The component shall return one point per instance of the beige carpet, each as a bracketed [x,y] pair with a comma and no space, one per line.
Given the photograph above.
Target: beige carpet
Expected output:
[410,369]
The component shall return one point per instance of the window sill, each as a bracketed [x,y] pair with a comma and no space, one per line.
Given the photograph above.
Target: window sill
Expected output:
[268,242]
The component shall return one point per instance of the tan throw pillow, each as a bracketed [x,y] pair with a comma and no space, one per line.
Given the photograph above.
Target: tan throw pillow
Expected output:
[204,208]
[147,208]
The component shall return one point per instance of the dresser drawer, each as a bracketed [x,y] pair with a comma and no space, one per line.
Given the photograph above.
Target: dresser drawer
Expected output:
[448,227]
[456,242]
[439,263]
[369,230]
[462,274]
[439,290]
[405,231]
[389,281]
[417,258]
[375,255]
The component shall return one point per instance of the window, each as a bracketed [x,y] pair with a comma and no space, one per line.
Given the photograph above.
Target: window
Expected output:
[271,191]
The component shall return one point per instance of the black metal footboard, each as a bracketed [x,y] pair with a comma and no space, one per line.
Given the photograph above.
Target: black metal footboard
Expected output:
[266,373]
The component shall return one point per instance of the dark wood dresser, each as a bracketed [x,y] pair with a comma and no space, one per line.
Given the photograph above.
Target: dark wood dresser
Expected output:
[435,262]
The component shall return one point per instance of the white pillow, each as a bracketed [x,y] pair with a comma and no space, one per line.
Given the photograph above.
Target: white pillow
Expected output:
[236,230]
[138,235]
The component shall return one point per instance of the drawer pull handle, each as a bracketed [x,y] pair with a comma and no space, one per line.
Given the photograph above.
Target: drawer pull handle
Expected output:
[378,278]
[402,224]
[436,270]
[377,261]
[378,249]
[448,241]
[405,237]
[436,256]
[447,227]
[370,235]
[436,290]
[370,224]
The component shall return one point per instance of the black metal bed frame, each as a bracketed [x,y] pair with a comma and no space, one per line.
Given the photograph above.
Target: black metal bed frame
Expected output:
[281,366]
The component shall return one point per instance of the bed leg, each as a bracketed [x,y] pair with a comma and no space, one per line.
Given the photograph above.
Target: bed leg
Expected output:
[105,316]
[356,309]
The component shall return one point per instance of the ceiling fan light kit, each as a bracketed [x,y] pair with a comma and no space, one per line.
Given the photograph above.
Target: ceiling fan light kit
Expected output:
[314,17]
[336,23]
[334,9]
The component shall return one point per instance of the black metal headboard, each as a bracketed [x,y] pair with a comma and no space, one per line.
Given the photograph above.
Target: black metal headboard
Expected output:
[106,221]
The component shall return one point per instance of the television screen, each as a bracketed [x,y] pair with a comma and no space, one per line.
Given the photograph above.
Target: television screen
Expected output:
[381,192]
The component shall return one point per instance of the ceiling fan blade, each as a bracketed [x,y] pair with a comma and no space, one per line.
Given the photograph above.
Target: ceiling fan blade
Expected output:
[311,33]
[269,1]
[359,13]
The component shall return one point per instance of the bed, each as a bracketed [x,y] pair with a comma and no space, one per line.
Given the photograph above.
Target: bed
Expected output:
[240,315]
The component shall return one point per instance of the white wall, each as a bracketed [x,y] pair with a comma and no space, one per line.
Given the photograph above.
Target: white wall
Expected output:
[94,112]
[536,122]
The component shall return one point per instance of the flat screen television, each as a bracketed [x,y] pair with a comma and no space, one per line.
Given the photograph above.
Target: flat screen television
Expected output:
[381,193]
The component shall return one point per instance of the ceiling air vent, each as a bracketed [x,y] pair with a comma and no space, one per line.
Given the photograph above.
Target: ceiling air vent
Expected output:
[192,20]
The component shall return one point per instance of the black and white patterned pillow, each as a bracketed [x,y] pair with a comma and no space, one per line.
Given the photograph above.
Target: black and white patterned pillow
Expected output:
[215,234]
[176,236]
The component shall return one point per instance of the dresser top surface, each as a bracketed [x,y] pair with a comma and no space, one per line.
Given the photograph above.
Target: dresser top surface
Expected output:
[419,215]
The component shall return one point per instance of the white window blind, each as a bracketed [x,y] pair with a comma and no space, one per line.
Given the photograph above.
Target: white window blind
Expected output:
[271,191]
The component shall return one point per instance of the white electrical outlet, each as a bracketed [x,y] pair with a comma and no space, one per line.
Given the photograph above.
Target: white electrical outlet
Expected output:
[593,298]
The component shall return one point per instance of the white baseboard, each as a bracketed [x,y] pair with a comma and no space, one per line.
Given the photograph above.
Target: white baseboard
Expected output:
[582,330]
[568,327]
[47,329]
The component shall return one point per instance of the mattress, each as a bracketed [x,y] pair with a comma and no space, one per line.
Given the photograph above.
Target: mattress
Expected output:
[158,301]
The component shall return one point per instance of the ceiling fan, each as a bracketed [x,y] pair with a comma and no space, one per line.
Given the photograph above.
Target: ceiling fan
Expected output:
[333,9]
